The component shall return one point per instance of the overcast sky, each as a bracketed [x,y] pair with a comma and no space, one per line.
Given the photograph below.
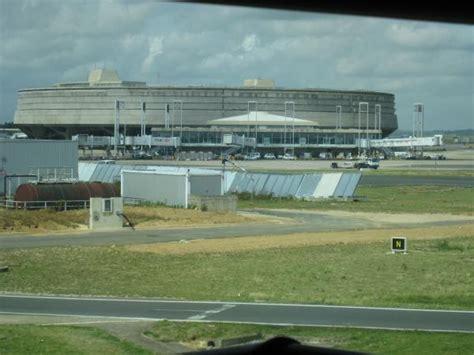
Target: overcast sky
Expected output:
[49,41]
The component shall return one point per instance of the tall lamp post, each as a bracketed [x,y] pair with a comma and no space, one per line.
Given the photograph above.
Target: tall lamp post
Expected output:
[290,113]
[338,117]
[118,106]
[225,160]
[248,119]
[363,108]
[143,125]
[178,106]
[378,118]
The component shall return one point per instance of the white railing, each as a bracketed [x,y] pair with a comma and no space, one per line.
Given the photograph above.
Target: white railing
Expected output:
[38,205]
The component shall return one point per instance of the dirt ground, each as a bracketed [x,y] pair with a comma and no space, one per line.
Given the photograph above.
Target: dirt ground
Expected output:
[303,239]
[146,217]
[45,221]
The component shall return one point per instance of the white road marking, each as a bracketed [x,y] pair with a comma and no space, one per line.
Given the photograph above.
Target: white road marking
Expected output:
[236,303]
[211,311]
[97,322]
[289,324]
[176,310]
[78,315]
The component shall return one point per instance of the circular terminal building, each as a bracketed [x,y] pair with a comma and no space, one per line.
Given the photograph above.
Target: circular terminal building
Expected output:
[304,119]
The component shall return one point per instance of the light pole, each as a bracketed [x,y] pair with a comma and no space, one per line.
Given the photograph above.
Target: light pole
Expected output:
[118,106]
[290,112]
[143,126]
[167,119]
[242,169]
[366,111]
[248,119]
[378,115]
[178,106]
[256,126]
[338,117]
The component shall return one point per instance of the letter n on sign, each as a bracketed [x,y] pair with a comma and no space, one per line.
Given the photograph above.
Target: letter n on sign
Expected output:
[399,245]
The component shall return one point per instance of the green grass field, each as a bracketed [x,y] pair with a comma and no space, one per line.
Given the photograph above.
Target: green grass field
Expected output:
[421,173]
[428,172]
[37,339]
[435,274]
[394,199]
[373,341]
[61,339]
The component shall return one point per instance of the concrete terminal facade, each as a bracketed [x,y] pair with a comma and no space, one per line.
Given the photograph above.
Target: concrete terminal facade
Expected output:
[201,115]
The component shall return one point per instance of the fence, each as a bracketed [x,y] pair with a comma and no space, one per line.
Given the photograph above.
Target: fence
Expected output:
[307,186]
[38,205]
[302,186]
[60,205]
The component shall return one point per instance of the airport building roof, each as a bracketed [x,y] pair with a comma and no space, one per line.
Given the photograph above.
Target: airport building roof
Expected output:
[261,118]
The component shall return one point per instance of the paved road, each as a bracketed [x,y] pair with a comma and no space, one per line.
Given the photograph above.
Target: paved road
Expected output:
[466,163]
[263,313]
[295,222]
[304,223]
[389,180]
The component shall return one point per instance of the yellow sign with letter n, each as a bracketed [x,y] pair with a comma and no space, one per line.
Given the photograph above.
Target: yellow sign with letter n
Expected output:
[399,245]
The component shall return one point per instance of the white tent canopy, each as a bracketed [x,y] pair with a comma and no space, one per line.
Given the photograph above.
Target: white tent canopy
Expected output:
[261,118]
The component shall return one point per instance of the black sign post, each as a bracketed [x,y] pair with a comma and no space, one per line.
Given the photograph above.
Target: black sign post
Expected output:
[399,245]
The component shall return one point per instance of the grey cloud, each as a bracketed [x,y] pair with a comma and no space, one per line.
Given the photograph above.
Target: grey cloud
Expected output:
[430,36]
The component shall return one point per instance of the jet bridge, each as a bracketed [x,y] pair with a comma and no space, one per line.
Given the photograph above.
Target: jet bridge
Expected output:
[410,142]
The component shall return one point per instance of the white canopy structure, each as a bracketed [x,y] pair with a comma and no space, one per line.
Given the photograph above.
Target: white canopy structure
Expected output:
[261,118]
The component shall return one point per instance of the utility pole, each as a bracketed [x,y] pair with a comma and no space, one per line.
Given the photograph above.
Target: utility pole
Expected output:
[338,117]
[178,106]
[378,119]
[248,119]
[363,108]
[118,106]
[143,124]
[290,113]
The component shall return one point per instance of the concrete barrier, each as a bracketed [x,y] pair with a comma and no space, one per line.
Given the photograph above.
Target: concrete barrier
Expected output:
[226,203]
[245,339]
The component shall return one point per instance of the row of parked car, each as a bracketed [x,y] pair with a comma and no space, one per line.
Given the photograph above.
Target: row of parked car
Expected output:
[268,156]
[371,163]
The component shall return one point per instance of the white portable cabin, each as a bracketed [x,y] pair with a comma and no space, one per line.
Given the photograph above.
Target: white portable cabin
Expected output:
[169,188]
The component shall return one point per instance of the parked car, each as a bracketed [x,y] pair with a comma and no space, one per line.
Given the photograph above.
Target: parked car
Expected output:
[253,156]
[269,156]
[360,164]
[344,165]
[434,157]
[288,156]
[140,154]
[107,161]
[373,163]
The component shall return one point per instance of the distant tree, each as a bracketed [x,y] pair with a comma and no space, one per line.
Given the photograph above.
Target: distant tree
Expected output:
[7,125]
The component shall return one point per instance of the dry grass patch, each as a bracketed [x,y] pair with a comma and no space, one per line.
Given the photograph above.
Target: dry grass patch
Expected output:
[302,239]
[165,216]
[44,221]
[41,221]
